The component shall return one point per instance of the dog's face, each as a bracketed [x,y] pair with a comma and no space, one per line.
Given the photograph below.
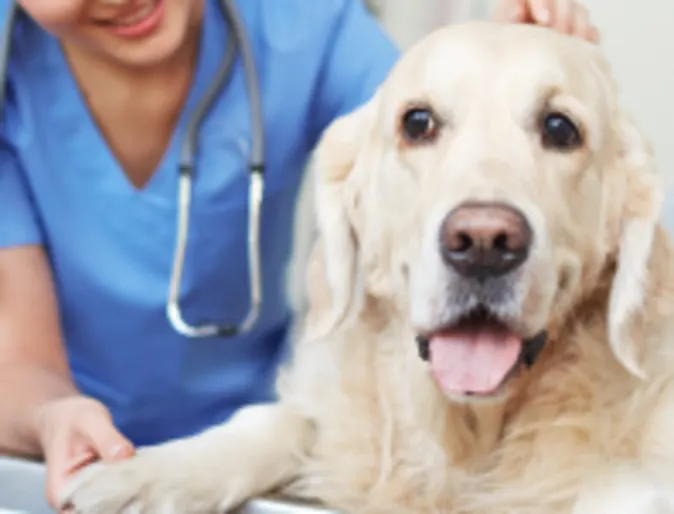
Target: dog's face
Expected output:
[485,187]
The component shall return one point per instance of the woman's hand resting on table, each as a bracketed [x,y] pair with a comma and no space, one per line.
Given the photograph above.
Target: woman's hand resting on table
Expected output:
[74,432]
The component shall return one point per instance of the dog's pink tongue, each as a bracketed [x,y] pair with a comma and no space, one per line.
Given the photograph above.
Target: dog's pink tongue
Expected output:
[473,360]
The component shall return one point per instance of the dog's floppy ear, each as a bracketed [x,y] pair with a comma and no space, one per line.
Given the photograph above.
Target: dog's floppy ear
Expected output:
[641,191]
[339,155]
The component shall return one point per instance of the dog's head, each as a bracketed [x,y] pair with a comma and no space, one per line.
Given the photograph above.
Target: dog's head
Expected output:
[484,190]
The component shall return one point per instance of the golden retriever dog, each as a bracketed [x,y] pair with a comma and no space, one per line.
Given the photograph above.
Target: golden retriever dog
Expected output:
[491,304]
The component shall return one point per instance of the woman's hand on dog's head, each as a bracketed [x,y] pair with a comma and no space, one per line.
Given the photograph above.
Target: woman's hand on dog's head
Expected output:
[567,16]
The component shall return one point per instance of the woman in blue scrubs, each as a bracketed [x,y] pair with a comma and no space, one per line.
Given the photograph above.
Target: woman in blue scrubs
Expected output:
[98,96]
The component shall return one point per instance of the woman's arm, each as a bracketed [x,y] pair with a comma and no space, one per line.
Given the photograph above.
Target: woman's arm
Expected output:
[42,414]
[33,365]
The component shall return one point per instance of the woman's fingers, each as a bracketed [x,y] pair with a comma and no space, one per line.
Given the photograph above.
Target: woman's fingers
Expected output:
[77,433]
[107,441]
[541,12]
[511,11]
[566,16]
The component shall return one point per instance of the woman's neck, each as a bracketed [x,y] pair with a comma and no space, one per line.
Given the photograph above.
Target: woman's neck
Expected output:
[136,109]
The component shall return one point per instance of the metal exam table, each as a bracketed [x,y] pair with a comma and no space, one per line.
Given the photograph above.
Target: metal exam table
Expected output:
[21,492]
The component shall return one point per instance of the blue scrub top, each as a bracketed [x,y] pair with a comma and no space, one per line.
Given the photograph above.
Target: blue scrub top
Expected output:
[111,245]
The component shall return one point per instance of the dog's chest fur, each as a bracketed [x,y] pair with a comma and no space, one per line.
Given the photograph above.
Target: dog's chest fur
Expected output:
[387,441]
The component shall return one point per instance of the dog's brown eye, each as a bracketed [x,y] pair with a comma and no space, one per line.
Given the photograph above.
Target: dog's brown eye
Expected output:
[560,133]
[419,125]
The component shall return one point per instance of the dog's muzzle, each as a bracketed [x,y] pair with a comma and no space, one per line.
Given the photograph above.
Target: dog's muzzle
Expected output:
[478,346]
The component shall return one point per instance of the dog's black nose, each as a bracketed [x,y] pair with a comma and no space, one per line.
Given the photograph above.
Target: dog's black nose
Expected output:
[484,240]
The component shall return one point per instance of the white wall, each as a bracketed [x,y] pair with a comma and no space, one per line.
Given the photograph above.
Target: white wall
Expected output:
[638,38]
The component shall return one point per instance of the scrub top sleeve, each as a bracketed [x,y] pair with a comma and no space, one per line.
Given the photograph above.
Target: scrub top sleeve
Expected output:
[18,219]
[359,59]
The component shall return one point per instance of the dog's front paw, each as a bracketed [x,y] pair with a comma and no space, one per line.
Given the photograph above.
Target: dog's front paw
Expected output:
[154,481]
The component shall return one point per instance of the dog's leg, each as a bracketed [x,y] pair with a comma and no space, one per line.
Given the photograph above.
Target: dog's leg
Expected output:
[256,451]
[624,490]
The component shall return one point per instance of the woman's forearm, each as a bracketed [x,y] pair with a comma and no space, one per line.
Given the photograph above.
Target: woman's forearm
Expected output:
[23,390]
[33,365]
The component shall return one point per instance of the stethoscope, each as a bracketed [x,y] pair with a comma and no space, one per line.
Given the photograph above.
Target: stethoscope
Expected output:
[237,37]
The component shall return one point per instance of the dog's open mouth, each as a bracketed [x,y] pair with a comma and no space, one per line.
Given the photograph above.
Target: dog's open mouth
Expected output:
[476,355]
